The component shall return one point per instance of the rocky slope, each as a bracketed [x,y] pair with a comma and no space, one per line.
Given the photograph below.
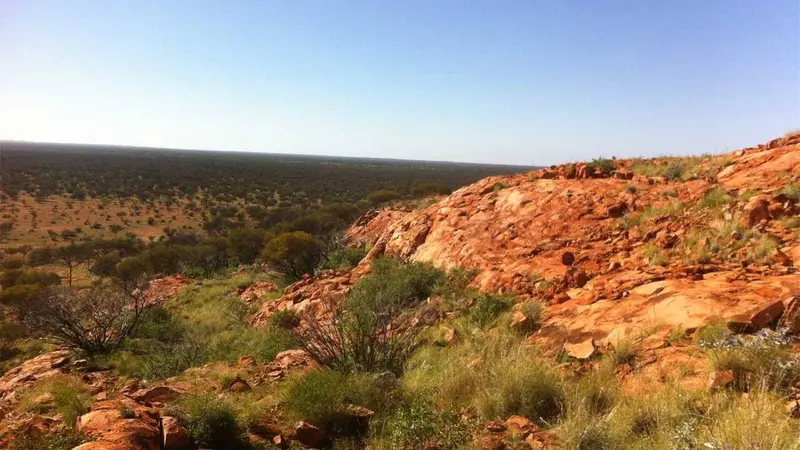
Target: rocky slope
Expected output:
[612,251]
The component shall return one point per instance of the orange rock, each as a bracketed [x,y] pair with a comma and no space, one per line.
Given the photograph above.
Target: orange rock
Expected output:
[173,436]
[719,379]
[521,425]
[309,435]
[581,350]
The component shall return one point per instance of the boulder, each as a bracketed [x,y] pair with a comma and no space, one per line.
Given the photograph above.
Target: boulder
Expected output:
[521,425]
[756,210]
[156,394]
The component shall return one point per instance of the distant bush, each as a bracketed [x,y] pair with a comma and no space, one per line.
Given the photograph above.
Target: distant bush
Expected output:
[293,254]
[382,196]
[604,164]
[246,244]
[106,265]
[674,172]
[428,189]
[12,263]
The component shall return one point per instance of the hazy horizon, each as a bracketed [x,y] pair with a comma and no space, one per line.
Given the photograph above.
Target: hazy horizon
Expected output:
[514,83]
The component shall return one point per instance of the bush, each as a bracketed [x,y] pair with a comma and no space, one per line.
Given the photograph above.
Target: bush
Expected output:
[604,164]
[372,333]
[428,189]
[285,319]
[343,258]
[322,397]
[94,320]
[293,254]
[674,172]
[761,361]
[106,265]
[246,244]
[209,420]
[12,263]
[382,196]
[487,309]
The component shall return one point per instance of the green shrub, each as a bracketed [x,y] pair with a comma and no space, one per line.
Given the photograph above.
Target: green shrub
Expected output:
[382,196]
[604,164]
[343,258]
[293,254]
[246,244]
[285,319]
[209,420]
[365,336]
[428,189]
[487,309]
[715,198]
[674,172]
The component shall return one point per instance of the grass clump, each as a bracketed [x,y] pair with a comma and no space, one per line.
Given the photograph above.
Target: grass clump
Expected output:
[210,421]
[760,361]
[343,258]
[487,309]
[715,198]
[504,378]
[66,395]
[655,255]
[322,397]
[419,425]
[532,310]
[36,440]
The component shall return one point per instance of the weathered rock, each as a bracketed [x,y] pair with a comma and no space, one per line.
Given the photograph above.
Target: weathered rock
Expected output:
[239,385]
[156,394]
[719,379]
[173,436]
[567,258]
[757,318]
[309,435]
[756,211]
[521,425]
[581,350]
[791,317]
[38,368]
[518,319]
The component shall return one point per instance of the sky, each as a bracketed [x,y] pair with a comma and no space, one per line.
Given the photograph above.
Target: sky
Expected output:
[532,82]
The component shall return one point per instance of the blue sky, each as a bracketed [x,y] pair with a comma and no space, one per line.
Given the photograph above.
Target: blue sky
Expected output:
[525,82]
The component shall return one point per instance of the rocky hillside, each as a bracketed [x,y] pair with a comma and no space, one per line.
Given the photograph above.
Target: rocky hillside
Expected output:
[616,304]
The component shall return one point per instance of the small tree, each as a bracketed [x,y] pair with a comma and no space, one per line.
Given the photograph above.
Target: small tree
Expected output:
[72,255]
[293,254]
[94,320]
[246,244]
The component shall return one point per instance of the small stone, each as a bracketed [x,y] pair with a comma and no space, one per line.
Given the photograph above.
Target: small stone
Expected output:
[567,258]
[309,435]
[581,350]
